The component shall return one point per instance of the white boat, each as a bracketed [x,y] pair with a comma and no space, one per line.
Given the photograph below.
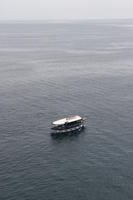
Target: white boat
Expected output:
[69,124]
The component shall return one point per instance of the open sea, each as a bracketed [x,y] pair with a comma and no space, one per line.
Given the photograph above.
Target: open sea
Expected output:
[50,70]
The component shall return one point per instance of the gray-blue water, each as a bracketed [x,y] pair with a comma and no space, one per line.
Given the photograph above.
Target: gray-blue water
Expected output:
[52,70]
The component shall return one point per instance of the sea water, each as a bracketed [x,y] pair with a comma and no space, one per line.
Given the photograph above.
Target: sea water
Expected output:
[50,70]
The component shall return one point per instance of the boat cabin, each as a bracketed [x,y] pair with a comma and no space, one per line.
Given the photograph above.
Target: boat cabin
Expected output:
[67,123]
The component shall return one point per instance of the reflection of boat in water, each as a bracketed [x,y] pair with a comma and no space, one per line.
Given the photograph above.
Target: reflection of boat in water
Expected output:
[67,125]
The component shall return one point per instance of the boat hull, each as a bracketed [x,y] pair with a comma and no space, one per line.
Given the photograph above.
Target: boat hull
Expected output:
[69,130]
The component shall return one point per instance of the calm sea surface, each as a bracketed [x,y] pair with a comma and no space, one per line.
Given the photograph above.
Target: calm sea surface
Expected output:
[52,70]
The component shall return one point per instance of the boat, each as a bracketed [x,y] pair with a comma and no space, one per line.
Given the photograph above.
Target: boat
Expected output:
[69,124]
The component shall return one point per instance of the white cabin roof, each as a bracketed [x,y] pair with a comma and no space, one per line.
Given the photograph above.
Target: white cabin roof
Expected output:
[68,120]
